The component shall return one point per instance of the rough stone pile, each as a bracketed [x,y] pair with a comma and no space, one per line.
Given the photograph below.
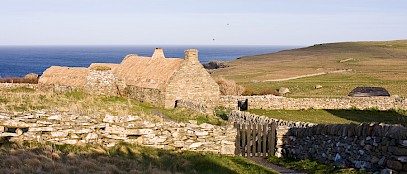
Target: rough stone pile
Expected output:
[67,128]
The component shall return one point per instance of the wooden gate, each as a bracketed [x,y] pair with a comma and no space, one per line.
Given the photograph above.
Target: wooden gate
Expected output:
[255,139]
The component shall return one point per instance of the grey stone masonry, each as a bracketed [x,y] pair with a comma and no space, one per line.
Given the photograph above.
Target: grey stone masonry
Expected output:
[68,128]
[277,102]
[367,146]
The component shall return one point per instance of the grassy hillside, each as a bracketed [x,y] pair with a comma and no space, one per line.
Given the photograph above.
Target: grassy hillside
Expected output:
[372,64]
[122,158]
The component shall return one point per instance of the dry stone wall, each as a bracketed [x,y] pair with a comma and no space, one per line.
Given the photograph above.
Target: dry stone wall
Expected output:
[369,146]
[18,85]
[152,96]
[190,105]
[102,82]
[277,102]
[68,128]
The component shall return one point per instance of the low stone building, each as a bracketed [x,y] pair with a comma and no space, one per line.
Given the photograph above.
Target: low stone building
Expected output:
[157,80]
[63,78]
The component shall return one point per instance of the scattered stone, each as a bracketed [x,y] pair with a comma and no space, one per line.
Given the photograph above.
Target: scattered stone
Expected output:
[201,133]
[193,121]
[59,134]
[402,159]
[227,149]
[206,126]
[283,90]
[195,145]
[395,165]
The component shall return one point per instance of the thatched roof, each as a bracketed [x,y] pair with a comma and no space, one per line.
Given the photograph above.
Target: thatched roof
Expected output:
[103,66]
[67,76]
[148,72]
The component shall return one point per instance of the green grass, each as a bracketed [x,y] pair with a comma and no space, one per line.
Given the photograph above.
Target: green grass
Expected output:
[76,94]
[184,115]
[81,103]
[333,85]
[311,167]
[21,89]
[379,64]
[336,116]
[122,158]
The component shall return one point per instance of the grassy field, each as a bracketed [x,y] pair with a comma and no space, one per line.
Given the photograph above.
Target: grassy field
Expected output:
[311,167]
[373,64]
[23,99]
[336,116]
[123,158]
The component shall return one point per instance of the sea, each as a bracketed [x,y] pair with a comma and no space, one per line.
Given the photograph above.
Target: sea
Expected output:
[17,61]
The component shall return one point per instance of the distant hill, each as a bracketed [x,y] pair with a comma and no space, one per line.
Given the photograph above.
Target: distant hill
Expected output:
[374,62]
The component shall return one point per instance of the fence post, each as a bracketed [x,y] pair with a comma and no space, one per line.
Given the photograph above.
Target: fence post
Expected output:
[249,139]
[244,129]
[272,138]
[259,131]
[237,144]
[264,140]
[254,138]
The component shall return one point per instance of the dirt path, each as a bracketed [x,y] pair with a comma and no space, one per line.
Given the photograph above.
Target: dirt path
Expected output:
[280,169]
[308,75]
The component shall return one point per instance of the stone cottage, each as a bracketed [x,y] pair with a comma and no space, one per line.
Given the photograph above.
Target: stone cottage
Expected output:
[157,80]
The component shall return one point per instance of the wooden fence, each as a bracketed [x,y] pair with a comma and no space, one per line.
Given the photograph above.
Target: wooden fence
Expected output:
[255,139]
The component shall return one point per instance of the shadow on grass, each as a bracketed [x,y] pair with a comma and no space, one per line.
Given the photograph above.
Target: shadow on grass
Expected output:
[122,158]
[389,116]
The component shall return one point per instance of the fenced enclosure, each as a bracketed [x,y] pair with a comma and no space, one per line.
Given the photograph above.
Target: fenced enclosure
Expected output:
[255,139]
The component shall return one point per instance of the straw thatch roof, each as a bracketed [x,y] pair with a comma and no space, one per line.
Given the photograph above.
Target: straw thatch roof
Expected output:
[147,72]
[103,66]
[66,76]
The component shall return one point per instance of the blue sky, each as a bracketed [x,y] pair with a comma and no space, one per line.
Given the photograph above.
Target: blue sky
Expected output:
[209,22]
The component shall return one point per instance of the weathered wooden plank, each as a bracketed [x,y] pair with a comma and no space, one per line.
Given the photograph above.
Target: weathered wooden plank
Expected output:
[254,131]
[244,149]
[264,140]
[237,144]
[269,139]
[249,140]
[273,138]
[259,131]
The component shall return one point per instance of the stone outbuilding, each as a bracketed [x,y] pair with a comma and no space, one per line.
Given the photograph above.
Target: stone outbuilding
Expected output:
[157,80]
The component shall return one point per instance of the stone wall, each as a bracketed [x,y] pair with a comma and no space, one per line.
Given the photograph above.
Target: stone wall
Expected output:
[370,146]
[101,82]
[152,96]
[191,82]
[67,128]
[18,85]
[198,107]
[277,102]
[367,146]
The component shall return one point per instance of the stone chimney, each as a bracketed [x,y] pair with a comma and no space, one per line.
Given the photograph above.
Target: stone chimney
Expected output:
[191,55]
[158,54]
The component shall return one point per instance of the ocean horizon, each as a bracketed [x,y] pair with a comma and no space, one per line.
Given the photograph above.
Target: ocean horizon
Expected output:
[17,61]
